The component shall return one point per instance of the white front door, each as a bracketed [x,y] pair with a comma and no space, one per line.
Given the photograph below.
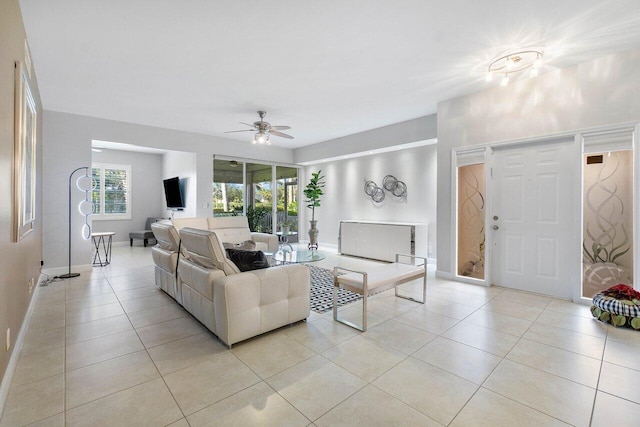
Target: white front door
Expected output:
[532,218]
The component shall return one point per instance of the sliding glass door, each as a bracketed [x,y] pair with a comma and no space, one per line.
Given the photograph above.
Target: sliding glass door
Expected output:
[228,188]
[267,194]
[259,197]
[287,203]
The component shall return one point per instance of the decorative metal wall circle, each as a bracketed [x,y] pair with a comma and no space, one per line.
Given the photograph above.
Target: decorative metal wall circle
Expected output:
[372,190]
[389,184]
[394,186]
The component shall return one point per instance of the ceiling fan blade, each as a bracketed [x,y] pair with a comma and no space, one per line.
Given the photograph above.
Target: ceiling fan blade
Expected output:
[283,135]
[247,124]
[244,130]
[280,127]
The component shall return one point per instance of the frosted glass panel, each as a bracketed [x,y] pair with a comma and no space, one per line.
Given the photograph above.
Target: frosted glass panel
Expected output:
[471,205]
[607,251]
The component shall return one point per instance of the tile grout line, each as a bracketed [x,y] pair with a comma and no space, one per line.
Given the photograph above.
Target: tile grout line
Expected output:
[595,395]
[146,350]
[496,367]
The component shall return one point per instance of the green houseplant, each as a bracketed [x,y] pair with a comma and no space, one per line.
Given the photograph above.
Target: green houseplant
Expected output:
[313,192]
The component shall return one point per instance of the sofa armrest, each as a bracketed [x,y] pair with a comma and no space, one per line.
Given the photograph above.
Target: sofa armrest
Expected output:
[254,302]
[270,239]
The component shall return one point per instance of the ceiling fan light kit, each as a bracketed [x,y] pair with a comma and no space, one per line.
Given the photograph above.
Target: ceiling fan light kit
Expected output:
[261,138]
[263,130]
[515,62]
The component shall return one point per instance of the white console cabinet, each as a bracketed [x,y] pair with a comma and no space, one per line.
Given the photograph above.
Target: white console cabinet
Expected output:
[382,240]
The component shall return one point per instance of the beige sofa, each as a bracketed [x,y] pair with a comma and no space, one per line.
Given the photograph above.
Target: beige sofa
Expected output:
[234,305]
[230,229]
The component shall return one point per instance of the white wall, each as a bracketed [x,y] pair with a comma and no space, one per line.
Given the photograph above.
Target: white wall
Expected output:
[597,93]
[67,145]
[146,191]
[345,199]
[184,165]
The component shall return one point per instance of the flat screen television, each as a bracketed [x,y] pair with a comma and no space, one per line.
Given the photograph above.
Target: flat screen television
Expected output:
[173,193]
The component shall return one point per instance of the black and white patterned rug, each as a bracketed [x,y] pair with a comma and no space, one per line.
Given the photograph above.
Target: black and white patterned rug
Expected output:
[322,291]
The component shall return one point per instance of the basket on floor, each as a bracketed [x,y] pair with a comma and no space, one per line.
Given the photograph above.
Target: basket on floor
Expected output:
[618,305]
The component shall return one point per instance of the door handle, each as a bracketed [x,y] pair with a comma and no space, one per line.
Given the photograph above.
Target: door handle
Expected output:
[495,227]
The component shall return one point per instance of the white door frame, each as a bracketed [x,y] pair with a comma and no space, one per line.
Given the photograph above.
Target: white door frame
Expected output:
[576,272]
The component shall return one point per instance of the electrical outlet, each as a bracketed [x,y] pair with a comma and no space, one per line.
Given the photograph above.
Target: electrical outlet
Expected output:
[8,338]
[32,283]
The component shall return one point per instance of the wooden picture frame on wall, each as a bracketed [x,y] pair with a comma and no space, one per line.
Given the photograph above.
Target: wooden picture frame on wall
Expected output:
[24,161]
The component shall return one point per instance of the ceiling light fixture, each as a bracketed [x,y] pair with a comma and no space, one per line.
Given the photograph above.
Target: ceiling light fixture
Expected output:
[261,138]
[514,63]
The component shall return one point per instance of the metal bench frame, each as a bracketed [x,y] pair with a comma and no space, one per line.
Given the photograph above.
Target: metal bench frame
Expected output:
[365,292]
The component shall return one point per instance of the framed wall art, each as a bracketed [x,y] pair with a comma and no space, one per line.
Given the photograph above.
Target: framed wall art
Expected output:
[24,162]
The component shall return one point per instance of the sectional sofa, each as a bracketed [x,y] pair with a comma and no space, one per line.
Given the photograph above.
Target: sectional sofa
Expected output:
[192,267]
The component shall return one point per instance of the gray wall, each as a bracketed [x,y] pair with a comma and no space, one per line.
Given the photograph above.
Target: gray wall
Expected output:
[19,262]
[68,146]
[420,129]
[146,191]
[345,199]
[344,192]
[592,94]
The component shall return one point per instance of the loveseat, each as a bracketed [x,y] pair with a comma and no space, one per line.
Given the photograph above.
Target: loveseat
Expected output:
[234,305]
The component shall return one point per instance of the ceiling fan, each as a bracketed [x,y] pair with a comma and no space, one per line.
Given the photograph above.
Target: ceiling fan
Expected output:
[263,129]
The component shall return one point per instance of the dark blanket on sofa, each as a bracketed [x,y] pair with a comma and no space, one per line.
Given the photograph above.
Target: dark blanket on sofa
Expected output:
[248,260]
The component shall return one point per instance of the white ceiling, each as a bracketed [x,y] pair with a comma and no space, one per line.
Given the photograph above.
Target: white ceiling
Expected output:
[326,68]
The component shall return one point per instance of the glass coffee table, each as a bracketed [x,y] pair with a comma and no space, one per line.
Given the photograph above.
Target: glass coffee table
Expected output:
[297,257]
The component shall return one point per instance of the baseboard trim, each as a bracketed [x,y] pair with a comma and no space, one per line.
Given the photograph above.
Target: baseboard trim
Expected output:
[444,275]
[17,348]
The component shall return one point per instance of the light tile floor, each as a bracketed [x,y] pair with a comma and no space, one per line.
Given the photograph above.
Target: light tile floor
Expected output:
[108,348]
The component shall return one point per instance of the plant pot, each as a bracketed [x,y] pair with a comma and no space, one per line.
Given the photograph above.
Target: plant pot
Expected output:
[313,235]
[286,229]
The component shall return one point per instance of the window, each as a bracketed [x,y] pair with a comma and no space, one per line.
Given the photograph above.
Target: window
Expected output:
[111,193]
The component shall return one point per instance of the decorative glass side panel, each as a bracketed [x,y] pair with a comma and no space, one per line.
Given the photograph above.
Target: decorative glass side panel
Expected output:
[607,250]
[471,211]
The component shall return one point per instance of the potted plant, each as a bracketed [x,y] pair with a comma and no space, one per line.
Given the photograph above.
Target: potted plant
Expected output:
[313,192]
[286,227]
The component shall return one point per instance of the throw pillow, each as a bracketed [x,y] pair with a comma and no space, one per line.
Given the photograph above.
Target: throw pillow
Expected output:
[248,260]
[247,245]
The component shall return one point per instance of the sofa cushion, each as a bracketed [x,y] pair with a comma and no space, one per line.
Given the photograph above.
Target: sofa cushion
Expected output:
[205,249]
[247,245]
[199,223]
[233,235]
[166,236]
[248,260]
[217,223]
